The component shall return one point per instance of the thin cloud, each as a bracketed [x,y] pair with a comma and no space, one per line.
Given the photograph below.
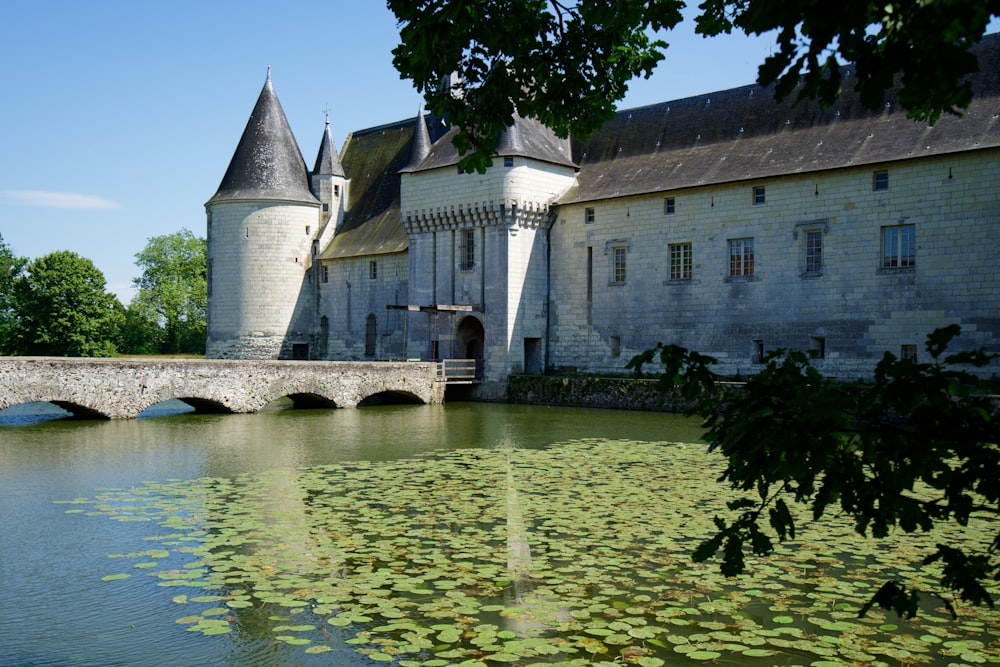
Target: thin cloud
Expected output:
[47,199]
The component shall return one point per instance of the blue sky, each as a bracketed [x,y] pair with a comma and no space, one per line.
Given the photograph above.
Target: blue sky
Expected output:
[119,117]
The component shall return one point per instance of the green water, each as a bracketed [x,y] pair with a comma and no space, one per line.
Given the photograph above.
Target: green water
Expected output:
[423,536]
[55,608]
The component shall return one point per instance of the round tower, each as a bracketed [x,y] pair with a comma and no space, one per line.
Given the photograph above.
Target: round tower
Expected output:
[261,225]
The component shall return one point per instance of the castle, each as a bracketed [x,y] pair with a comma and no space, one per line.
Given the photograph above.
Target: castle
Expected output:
[728,223]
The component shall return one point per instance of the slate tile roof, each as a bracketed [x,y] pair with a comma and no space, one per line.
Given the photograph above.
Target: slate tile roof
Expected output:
[744,134]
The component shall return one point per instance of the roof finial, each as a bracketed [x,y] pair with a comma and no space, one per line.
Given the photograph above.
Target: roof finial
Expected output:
[326,112]
[268,73]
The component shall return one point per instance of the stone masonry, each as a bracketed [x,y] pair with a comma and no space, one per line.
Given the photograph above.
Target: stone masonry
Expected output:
[122,388]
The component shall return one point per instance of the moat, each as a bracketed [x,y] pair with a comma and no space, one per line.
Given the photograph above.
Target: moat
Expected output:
[411,535]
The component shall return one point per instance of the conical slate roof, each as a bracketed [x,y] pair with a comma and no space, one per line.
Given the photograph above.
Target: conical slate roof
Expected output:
[267,163]
[421,143]
[327,160]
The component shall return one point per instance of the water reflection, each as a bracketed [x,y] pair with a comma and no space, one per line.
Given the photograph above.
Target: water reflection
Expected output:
[57,610]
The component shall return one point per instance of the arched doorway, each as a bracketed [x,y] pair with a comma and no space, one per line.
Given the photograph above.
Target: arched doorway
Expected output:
[469,338]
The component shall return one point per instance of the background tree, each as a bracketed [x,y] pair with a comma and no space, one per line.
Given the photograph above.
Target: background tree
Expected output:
[916,447]
[569,63]
[11,267]
[64,308]
[173,291]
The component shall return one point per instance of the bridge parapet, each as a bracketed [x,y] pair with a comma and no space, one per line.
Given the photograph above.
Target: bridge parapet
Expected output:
[123,388]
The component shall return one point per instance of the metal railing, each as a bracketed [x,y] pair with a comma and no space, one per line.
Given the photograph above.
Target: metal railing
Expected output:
[460,371]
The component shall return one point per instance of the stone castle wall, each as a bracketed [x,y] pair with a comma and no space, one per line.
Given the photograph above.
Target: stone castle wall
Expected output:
[853,309]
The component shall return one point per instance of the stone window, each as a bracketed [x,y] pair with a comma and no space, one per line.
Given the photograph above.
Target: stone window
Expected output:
[208,277]
[616,346]
[680,261]
[508,162]
[880,180]
[908,351]
[588,215]
[336,190]
[467,250]
[814,252]
[616,251]
[373,269]
[758,351]
[371,332]
[818,347]
[324,272]
[899,246]
[669,206]
[758,195]
[741,260]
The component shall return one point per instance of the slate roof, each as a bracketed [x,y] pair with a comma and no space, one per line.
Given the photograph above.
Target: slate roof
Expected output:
[267,163]
[526,138]
[373,223]
[743,133]
[327,159]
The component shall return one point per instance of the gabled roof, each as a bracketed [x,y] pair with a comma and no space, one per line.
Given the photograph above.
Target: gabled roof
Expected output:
[527,137]
[743,134]
[267,163]
[327,159]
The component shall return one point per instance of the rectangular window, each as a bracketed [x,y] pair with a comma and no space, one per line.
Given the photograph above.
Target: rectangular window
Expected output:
[618,265]
[740,257]
[372,269]
[814,251]
[467,250]
[336,190]
[324,273]
[880,180]
[680,261]
[668,206]
[908,352]
[758,195]
[899,246]
[616,345]
[588,215]
[508,162]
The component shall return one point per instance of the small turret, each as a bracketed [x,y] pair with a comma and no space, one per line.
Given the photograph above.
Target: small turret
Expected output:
[421,147]
[329,185]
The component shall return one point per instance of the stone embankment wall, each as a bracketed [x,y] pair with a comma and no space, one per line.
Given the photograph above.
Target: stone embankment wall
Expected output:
[590,392]
[122,388]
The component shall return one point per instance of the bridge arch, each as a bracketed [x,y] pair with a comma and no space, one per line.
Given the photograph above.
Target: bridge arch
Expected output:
[123,388]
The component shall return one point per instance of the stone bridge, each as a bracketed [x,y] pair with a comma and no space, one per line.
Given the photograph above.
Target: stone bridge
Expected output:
[122,388]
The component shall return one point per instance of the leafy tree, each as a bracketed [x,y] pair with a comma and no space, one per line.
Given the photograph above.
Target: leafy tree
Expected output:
[173,291]
[64,308]
[568,63]
[914,448]
[11,267]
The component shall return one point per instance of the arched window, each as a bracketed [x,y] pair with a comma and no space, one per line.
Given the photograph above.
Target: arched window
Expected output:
[371,330]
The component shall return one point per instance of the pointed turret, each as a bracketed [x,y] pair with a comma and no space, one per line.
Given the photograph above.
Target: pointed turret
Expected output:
[421,143]
[261,225]
[329,185]
[327,159]
[267,163]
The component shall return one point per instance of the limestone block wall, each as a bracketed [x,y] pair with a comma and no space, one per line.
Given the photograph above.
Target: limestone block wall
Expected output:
[354,288]
[259,253]
[521,185]
[851,311]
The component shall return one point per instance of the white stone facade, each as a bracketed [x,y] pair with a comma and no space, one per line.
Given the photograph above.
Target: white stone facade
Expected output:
[852,310]
[259,254]
[843,231]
